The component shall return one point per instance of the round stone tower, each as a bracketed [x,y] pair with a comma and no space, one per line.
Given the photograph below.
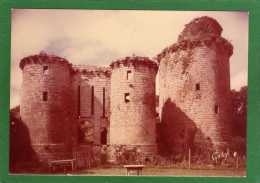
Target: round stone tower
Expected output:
[133,115]
[47,108]
[194,79]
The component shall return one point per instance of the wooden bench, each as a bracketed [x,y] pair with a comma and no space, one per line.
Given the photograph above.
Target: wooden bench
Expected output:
[134,169]
[62,163]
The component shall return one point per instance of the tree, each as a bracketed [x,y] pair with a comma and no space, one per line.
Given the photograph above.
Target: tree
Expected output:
[239,111]
[239,120]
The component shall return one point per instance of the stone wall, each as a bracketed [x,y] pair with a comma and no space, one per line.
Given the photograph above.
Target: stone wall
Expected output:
[133,115]
[65,107]
[47,106]
[93,105]
[194,101]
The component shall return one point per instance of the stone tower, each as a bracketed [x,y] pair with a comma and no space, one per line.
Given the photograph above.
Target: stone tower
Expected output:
[133,115]
[47,108]
[194,84]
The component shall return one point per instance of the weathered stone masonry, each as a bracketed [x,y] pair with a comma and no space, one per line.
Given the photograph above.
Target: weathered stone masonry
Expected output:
[133,115]
[194,77]
[92,86]
[47,107]
[65,106]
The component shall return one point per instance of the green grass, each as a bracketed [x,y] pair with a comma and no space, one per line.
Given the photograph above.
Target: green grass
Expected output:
[163,171]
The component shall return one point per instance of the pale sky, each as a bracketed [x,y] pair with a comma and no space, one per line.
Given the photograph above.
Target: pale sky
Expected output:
[97,37]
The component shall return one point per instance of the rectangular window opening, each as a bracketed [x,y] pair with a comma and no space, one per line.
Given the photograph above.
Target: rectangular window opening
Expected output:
[92,100]
[197,87]
[128,74]
[45,96]
[104,102]
[127,97]
[45,69]
[216,109]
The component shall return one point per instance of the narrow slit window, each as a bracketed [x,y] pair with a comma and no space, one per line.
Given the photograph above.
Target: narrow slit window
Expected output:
[92,100]
[197,87]
[128,74]
[45,96]
[45,69]
[104,102]
[127,97]
[216,109]
[79,101]
[104,136]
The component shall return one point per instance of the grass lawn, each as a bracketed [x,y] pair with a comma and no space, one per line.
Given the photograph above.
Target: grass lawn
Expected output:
[165,171]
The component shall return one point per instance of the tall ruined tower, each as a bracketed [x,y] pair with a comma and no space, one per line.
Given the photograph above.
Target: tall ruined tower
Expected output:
[47,106]
[133,115]
[194,84]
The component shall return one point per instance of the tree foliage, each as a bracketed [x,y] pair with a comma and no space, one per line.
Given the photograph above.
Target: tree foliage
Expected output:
[239,111]
[239,120]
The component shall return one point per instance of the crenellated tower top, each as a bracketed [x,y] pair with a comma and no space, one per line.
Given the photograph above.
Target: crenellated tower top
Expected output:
[134,61]
[44,58]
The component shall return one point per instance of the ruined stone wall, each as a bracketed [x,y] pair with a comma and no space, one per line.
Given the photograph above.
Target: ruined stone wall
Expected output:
[194,101]
[93,105]
[133,115]
[47,106]
[59,102]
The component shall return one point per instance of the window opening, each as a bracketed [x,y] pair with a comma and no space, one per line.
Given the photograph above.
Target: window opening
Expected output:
[216,109]
[127,97]
[92,100]
[197,86]
[45,96]
[128,74]
[45,69]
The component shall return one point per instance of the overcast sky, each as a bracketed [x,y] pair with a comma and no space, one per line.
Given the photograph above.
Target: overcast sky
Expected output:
[101,36]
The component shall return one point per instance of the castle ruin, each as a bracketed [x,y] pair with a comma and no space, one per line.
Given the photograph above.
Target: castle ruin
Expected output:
[65,105]
[194,75]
